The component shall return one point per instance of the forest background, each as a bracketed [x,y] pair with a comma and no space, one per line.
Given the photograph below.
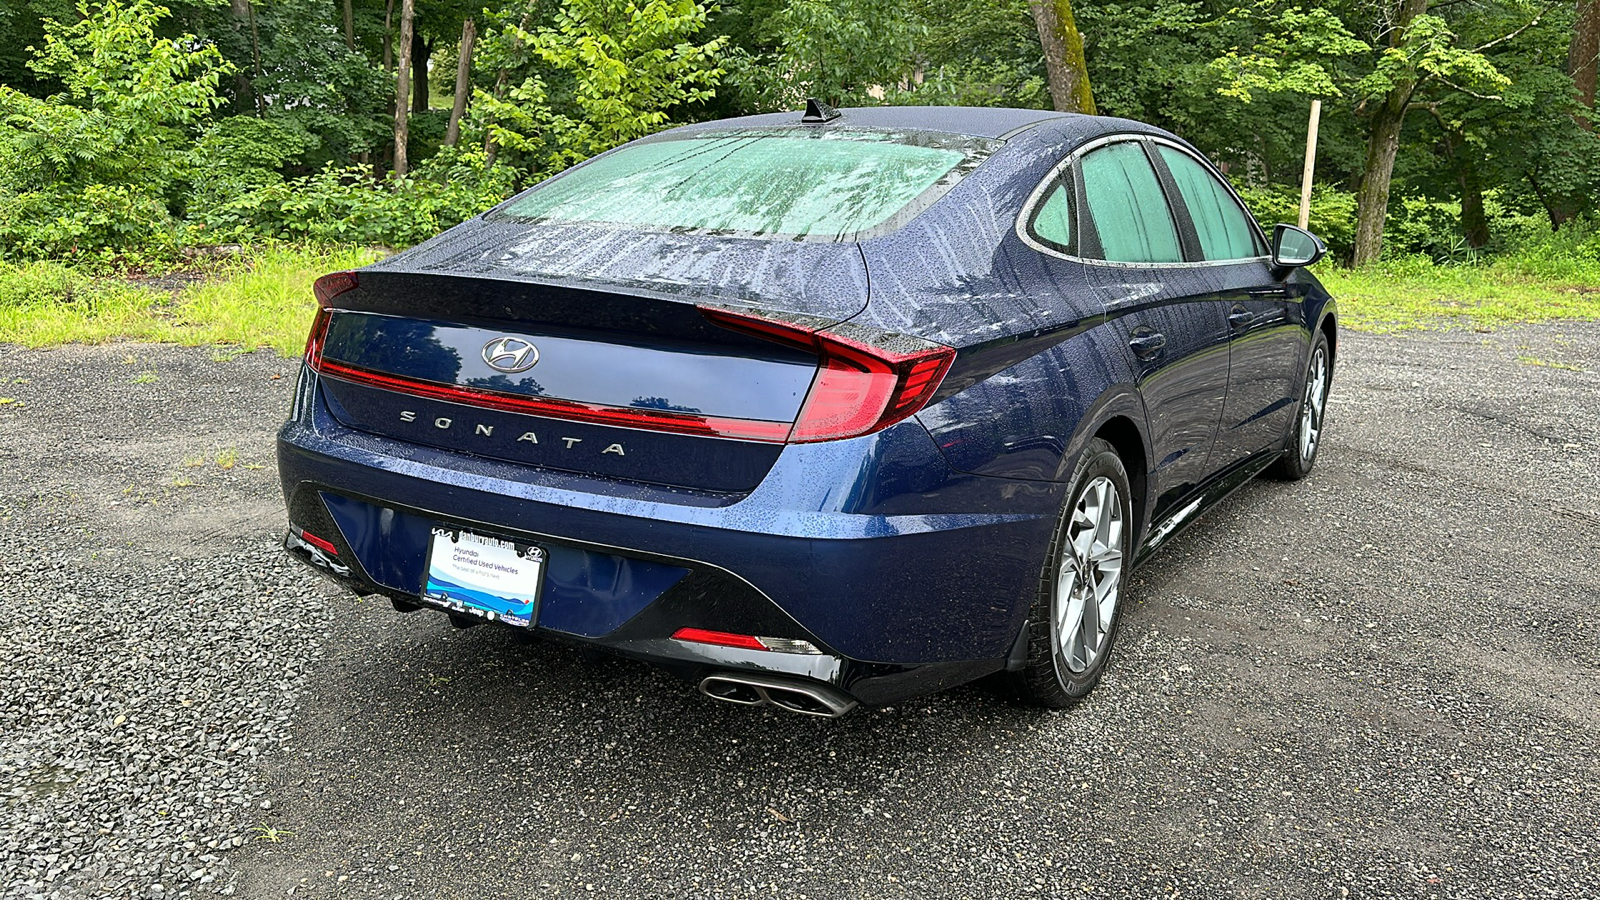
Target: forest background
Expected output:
[179,172]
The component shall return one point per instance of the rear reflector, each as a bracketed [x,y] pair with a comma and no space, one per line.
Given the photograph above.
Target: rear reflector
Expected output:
[744,641]
[322,544]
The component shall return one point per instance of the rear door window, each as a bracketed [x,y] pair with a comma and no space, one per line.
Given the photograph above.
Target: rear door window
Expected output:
[1128,208]
[1052,221]
[1224,228]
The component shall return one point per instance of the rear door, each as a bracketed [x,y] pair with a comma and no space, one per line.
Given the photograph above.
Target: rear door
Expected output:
[1174,328]
[1265,324]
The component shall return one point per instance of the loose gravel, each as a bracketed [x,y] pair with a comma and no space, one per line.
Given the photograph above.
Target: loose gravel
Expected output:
[154,639]
[1381,682]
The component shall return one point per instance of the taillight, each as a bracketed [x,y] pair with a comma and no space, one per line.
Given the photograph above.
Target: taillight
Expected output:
[325,289]
[865,382]
[332,285]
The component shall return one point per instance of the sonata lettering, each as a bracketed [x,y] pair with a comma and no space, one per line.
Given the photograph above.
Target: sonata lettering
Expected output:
[445,423]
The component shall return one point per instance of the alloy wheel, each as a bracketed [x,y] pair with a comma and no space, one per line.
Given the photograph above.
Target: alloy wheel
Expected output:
[1090,578]
[1313,406]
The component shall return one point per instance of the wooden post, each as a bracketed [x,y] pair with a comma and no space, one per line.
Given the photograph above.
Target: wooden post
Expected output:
[1311,163]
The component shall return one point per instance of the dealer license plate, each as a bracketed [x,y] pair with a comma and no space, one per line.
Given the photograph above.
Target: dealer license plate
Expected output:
[484,576]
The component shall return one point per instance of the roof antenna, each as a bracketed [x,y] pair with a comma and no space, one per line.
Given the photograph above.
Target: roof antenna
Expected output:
[818,113]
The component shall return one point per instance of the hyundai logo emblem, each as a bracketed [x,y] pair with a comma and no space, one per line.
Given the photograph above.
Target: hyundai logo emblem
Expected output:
[510,355]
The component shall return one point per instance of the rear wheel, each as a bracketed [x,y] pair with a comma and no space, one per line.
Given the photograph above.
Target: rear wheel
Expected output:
[1073,623]
[1306,440]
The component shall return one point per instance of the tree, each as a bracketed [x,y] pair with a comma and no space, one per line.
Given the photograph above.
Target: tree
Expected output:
[402,88]
[844,52]
[603,72]
[1583,56]
[1421,49]
[469,36]
[1063,55]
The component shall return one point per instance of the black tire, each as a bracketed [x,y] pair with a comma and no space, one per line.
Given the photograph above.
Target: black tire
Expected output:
[1047,678]
[1295,463]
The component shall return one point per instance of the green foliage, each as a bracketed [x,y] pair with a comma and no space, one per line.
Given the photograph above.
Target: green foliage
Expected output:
[1333,213]
[98,163]
[260,299]
[243,153]
[1429,48]
[349,206]
[1541,276]
[838,51]
[602,73]
[1290,50]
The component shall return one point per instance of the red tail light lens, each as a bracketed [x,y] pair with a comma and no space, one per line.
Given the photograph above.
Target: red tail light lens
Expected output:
[326,288]
[865,381]
[332,285]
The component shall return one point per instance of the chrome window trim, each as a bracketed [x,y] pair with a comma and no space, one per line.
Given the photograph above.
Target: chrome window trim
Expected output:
[1042,188]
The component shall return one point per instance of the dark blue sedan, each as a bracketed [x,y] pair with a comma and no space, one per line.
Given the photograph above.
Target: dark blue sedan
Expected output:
[818,409]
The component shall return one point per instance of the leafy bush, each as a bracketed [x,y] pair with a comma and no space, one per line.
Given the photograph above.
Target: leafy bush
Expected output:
[1333,213]
[243,153]
[98,164]
[349,206]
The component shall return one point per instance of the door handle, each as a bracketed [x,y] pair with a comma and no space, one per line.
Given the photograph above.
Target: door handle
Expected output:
[1239,318]
[1147,342]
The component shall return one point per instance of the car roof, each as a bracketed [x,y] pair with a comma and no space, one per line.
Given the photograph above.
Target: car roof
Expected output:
[977,121]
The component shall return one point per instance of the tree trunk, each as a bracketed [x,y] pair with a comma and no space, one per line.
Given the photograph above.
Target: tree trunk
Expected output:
[388,36]
[349,26]
[1582,55]
[469,36]
[1474,221]
[1372,199]
[402,88]
[1064,62]
[244,91]
[420,51]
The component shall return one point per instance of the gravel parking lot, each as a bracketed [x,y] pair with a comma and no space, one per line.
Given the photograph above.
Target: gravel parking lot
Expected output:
[1381,682]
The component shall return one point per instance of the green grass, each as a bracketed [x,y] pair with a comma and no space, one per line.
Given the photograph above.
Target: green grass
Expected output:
[262,299]
[1380,298]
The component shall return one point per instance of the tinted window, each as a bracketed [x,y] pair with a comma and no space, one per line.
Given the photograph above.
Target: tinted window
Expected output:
[818,183]
[1128,207]
[1052,220]
[1226,232]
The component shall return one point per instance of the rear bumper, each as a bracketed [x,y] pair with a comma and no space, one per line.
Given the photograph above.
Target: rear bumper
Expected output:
[910,576]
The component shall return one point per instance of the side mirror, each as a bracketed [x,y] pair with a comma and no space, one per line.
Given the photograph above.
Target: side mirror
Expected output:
[1295,247]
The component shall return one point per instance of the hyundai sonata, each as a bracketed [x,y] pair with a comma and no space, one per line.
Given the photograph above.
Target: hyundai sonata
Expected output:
[816,409]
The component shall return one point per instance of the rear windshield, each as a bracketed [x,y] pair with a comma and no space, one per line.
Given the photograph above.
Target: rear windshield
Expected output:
[816,184]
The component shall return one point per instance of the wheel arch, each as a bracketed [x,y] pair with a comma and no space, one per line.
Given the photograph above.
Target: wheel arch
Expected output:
[1119,418]
[1329,326]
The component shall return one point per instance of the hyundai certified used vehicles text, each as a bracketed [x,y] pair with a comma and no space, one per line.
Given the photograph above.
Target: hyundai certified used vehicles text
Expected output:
[817,409]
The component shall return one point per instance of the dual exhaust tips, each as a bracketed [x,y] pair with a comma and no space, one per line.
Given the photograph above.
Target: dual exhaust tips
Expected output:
[802,697]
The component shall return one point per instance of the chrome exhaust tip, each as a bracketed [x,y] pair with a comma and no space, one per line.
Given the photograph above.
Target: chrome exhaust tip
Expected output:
[805,698]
